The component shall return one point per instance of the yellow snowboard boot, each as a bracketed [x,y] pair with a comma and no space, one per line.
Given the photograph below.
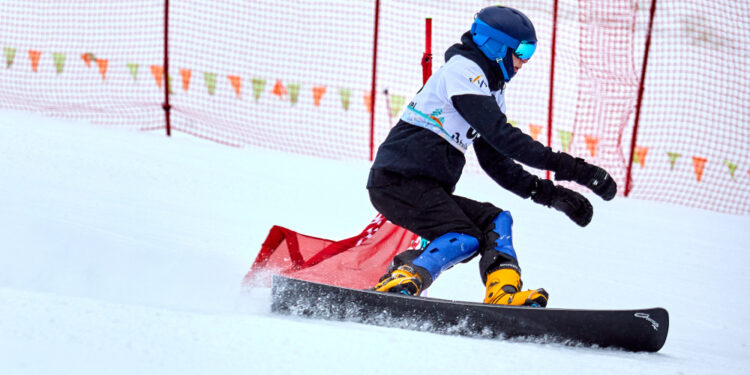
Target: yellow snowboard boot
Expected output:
[504,288]
[402,280]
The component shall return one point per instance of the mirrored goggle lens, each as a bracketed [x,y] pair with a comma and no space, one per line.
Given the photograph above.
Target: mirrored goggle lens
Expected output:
[525,50]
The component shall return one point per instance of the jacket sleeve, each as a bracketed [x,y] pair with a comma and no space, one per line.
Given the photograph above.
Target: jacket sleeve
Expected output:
[504,170]
[483,115]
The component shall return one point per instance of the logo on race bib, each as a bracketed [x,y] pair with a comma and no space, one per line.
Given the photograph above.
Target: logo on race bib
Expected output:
[479,81]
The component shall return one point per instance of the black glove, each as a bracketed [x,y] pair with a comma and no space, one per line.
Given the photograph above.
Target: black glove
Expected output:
[588,175]
[575,205]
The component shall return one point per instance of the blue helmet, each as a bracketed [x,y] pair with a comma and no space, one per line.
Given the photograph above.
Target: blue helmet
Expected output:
[501,31]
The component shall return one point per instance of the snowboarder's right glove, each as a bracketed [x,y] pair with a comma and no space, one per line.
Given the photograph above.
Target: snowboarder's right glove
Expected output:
[575,205]
[588,175]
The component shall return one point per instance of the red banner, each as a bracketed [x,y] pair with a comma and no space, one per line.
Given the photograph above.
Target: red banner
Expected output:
[356,262]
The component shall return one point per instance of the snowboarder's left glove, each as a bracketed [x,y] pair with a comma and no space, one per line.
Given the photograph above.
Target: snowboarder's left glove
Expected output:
[588,175]
[575,205]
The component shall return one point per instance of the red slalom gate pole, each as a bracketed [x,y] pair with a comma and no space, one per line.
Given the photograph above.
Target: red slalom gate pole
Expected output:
[427,56]
[551,79]
[167,107]
[372,88]
[628,176]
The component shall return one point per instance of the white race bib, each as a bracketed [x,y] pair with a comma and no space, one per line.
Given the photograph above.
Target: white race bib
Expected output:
[432,107]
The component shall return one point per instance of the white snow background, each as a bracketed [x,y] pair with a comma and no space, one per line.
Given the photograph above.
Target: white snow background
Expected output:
[123,252]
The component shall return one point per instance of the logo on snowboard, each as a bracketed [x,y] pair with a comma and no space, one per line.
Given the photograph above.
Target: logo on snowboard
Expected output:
[647,317]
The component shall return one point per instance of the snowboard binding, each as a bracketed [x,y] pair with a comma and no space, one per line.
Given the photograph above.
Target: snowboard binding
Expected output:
[402,280]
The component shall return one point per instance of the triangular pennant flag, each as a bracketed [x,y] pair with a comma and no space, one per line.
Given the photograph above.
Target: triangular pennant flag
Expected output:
[133,68]
[535,130]
[672,159]
[368,102]
[210,79]
[591,144]
[258,86]
[397,104]
[639,156]
[236,82]
[732,167]
[185,74]
[293,92]
[169,84]
[279,89]
[512,123]
[10,55]
[34,57]
[59,61]
[88,57]
[318,92]
[566,138]
[102,67]
[158,73]
[345,95]
[698,164]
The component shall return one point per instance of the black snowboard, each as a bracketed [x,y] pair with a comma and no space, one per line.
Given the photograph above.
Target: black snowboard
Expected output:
[633,330]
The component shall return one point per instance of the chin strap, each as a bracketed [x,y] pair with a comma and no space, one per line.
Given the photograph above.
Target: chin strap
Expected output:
[500,62]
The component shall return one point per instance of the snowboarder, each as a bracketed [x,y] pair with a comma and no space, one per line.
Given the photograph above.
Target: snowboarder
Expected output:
[414,174]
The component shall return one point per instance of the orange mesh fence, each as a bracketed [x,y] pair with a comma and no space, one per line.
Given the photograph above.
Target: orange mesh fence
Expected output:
[297,77]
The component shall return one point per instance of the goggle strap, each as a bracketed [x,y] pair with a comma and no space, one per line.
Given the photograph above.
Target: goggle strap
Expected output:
[523,50]
[480,27]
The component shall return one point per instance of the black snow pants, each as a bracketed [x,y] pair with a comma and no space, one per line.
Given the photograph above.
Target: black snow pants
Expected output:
[425,207]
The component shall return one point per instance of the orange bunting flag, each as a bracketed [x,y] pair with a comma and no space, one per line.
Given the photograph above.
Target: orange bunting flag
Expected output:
[88,57]
[102,67]
[698,164]
[639,156]
[34,57]
[279,89]
[185,74]
[535,130]
[368,102]
[591,144]
[318,92]
[236,82]
[158,73]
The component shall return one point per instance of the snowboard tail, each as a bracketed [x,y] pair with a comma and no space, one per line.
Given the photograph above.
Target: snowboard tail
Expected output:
[632,330]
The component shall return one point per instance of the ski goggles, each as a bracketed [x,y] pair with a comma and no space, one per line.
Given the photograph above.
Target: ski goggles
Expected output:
[493,39]
[525,50]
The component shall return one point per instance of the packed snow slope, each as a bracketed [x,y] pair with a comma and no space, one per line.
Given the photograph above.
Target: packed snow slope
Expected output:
[123,253]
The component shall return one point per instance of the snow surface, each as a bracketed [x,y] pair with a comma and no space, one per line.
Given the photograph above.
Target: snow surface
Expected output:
[123,252]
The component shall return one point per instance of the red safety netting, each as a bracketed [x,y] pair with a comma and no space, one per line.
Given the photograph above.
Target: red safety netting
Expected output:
[297,77]
[693,141]
[83,59]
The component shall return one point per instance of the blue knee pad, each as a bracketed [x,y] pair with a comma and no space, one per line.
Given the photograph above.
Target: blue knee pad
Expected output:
[445,251]
[504,243]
